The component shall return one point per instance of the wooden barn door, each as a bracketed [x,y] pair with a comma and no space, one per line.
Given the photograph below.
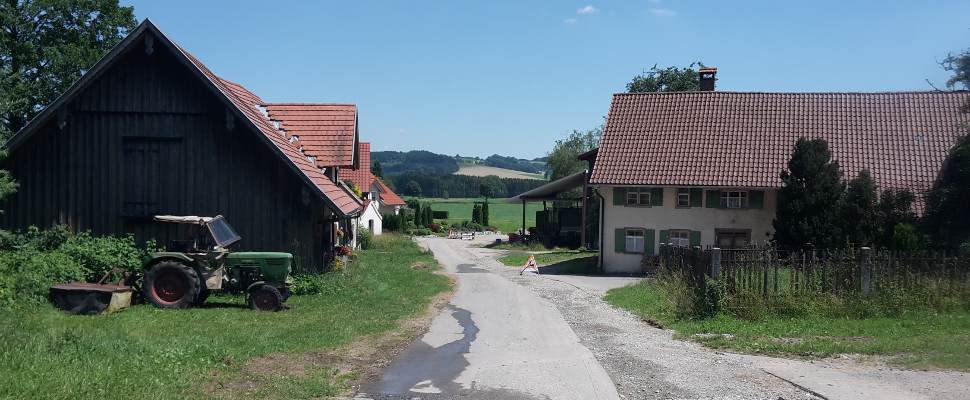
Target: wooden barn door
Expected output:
[153,169]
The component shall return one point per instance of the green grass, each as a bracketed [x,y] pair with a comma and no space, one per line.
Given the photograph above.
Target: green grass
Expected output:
[145,352]
[915,340]
[504,216]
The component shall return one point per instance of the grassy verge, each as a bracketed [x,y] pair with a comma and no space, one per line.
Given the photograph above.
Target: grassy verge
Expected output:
[146,352]
[504,216]
[914,339]
[557,261]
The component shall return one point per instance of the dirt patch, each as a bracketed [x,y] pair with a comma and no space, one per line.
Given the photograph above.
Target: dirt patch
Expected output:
[345,366]
[420,265]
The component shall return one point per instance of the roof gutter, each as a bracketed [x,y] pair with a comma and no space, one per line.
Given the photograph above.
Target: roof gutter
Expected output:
[599,262]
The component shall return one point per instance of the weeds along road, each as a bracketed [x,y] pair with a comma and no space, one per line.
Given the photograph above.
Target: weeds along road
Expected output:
[494,340]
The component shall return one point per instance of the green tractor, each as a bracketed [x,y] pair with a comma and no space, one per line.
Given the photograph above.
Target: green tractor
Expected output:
[185,274]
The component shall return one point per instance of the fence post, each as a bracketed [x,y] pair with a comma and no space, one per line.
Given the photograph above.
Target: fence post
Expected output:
[715,263]
[865,265]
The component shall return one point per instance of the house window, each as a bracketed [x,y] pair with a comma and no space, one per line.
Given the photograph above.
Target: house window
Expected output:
[634,241]
[683,197]
[734,199]
[733,238]
[680,237]
[638,196]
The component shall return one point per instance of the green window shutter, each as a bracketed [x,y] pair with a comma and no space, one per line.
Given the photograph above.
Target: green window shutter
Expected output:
[657,196]
[695,238]
[696,197]
[619,196]
[756,199]
[648,241]
[713,199]
[620,245]
[664,236]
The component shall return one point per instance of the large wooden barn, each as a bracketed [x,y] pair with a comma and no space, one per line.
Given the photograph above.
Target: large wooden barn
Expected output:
[150,130]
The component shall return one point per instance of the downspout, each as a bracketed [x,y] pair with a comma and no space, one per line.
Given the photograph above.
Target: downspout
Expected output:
[602,226]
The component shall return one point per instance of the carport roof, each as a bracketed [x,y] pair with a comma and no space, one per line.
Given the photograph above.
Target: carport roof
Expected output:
[550,190]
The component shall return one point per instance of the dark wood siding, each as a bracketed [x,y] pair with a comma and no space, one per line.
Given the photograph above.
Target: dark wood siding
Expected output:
[147,137]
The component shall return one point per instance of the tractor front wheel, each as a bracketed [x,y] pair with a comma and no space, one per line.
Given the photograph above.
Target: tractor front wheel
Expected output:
[171,284]
[265,298]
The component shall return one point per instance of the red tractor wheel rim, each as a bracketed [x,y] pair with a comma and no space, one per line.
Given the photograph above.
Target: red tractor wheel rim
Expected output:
[264,301]
[170,287]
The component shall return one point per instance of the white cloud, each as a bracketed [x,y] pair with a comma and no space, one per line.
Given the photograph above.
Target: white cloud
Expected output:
[569,21]
[588,10]
[662,12]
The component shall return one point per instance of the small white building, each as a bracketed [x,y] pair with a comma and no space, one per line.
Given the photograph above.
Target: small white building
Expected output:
[377,199]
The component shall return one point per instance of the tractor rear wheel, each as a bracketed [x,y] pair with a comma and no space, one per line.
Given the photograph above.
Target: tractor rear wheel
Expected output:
[265,298]
[171,284]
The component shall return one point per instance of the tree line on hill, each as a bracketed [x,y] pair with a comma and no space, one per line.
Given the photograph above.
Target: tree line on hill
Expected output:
[513,163]
[447,186]
[396,162]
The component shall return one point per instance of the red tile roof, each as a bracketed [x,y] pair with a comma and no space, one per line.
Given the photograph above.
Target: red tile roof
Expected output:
[325,131]
[360,176]
[388,196]
[248,103]
[728,139]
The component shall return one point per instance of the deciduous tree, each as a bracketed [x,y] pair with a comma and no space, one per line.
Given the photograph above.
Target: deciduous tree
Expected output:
[670,79]
[413,189]
[895,207]
[45,45]
[563,159]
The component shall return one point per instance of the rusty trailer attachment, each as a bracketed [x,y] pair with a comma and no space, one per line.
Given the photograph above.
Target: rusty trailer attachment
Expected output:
[92,298]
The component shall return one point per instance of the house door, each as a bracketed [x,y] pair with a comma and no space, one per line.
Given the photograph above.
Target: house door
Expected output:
[732,238]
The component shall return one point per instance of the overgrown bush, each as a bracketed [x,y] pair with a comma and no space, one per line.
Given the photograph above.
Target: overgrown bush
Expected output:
[32,261]
[435,227]
[365,238]
[392,222]
[313,284]
[419,232]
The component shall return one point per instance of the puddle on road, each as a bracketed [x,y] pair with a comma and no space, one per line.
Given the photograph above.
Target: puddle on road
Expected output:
[470,269]
[426,369]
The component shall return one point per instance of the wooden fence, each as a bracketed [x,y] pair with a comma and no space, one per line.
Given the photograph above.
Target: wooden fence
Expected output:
[770,271]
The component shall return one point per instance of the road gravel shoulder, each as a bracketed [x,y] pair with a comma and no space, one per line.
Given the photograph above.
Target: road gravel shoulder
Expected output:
[646,362]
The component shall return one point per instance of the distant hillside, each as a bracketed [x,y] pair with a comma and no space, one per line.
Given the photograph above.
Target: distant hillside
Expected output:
[485,170]
[420,161]
[513,163]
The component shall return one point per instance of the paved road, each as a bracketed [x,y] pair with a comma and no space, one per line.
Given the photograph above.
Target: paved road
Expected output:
[494,340]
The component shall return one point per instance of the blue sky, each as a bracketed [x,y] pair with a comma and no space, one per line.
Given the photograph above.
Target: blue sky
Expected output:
[511,77]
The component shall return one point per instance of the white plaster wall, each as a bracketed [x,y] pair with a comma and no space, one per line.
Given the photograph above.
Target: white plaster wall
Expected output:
[668,216]
[371,213]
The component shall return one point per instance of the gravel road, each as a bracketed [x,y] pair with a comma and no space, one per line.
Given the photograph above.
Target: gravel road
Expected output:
[645,362]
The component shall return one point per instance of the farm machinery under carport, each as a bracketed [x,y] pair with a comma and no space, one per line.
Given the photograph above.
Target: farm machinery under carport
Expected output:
[190,270]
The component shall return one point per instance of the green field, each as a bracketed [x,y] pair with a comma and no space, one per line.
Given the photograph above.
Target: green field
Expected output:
[207,352]
[504,216]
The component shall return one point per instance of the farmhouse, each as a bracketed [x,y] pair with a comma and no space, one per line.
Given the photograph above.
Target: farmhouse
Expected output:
[151,130]
[702,168]
[378,199]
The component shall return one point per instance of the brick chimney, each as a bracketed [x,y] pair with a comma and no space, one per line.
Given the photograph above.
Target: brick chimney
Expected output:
[707,78]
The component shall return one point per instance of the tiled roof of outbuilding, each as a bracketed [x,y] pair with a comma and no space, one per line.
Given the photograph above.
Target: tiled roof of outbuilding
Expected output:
[325,131]
[731,139]
[360,176]
[388,196]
